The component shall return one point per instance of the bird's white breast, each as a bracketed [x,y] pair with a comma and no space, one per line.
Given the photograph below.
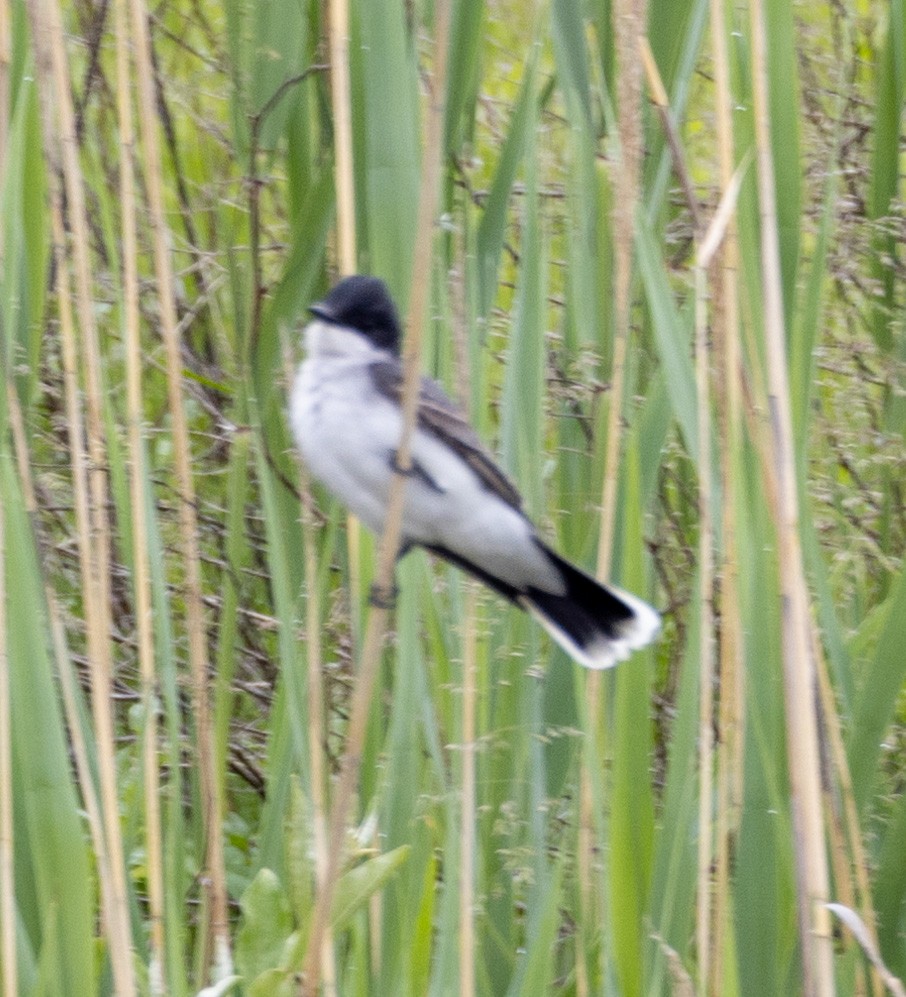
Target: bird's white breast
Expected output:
[345,447]
[348,434]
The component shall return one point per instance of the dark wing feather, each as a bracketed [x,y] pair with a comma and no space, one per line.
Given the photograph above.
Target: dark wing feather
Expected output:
[441,417]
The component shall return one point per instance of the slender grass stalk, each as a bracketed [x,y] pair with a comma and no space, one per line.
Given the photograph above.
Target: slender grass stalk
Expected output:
[703,926]
[703,910]
[94,528]
[75,432]
[799,670]
[467,740]
[467,814]
[316,724]
[138,476]
[726,330]
[341,104]
[213,877]
[7,853]
[844,886]
[857,871]
[662,102]
[65,670]
[347,256]
[317,727]
[628,26]
[389,547]
[4,91]
[344,185]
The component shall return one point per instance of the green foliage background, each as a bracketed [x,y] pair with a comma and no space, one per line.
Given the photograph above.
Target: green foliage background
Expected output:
[521,331]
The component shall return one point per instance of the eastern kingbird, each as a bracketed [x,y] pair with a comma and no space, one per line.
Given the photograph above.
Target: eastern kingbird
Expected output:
[347,419]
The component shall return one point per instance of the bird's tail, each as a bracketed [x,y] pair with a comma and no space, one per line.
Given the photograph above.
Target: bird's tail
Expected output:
[597,624]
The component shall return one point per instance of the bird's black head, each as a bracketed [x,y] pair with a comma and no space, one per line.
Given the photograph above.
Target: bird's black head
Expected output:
[364,304]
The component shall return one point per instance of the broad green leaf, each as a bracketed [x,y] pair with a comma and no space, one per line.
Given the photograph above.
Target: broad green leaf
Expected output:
[359,883]
[55,888]
[266,924]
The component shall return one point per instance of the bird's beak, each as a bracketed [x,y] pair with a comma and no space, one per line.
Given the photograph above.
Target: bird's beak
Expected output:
[322,311]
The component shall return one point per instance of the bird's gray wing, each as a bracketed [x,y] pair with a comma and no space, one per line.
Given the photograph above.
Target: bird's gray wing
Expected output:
[442,418]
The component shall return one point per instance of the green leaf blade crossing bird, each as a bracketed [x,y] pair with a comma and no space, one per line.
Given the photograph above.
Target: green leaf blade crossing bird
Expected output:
[346,417]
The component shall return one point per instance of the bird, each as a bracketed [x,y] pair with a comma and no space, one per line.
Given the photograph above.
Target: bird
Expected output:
[345,411]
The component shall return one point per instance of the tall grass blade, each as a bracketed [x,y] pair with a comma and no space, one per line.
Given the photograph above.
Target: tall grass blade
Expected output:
[876,699]
[55,887]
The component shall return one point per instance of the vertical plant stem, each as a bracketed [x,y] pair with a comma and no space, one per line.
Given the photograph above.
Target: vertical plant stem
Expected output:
[347,257]
[726,330]
[798,665]
[706,623]
[7,880]
[629,26]
[94,530]
[467,818]
[75,431]
[858,859]
[317,729]
[213,875]
[138,476]
[4,94]
[7,875]
[390,540]
[65,667]
[341,105]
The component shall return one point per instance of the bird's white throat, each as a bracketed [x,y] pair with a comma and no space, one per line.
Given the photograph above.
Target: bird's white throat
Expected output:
[324,339]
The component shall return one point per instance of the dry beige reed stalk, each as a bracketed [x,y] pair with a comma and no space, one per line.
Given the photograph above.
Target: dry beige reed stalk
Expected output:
[90,485]
[798,666]
[214,876]
[137,477]
[706,633]
[731,717]
[389,545]
[341,105]
[629,19]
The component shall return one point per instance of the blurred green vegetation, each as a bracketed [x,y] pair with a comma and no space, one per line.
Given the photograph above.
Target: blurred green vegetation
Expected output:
[521,332]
